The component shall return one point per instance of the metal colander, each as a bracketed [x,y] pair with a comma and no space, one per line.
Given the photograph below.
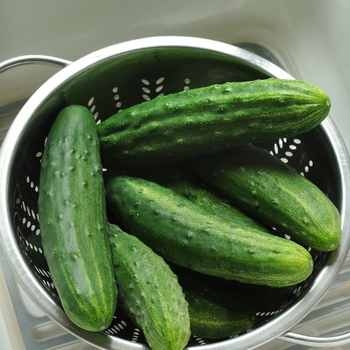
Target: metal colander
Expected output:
[120,76]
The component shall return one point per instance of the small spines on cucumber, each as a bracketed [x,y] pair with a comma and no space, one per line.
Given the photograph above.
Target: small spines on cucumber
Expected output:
[187,124]
[73,220]
[188,235]
[272,191]
[149,292]
[186,184]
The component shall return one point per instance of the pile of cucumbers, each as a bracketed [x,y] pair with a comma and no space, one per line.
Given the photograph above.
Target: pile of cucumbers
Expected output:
[188,204]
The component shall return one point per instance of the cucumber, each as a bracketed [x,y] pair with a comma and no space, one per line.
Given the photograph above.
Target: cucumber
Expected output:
[190,123]
[215,311]
[73,223]
[149,292]
[184,183]
[274,192]
[190,236]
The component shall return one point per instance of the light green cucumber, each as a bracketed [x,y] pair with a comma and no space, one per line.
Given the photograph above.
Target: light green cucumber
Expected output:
[272,191]
[190,236]
[149,292]
[204,120]
[73,224]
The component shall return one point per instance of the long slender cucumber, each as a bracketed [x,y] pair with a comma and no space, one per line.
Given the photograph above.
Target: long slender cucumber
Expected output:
[204,120]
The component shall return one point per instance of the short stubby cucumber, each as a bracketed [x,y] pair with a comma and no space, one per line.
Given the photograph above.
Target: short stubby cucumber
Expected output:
[73,223]
[272,191]
[215,310]
[204,120]
[190,236]
[149,292]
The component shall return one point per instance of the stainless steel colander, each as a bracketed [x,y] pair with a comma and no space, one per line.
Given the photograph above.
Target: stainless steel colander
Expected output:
[120,76]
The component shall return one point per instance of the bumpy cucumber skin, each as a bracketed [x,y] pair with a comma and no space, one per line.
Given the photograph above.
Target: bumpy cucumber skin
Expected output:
[73,224]
[188,235]
[149,292]
[273,192]
[184,183]
[187,124]
[215,311]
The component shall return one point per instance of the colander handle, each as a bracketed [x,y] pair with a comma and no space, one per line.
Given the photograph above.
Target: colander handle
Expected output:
[33,59]
[321,342]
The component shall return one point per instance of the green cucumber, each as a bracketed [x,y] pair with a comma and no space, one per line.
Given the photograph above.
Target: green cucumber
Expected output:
[215,311]
[190,123]
[149,292]
[186,184]
[274,192]
[73,223]
[190,236]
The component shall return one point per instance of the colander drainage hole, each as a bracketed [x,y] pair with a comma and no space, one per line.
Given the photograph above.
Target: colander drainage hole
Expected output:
[147,89]
[293,145]
[92,107]
[187,82]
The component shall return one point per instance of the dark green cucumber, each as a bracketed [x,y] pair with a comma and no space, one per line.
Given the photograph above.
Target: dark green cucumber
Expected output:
[272,191]
[215,311]
[187,185]
[73,224]
[190,236]
[187,124]
[149,292]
